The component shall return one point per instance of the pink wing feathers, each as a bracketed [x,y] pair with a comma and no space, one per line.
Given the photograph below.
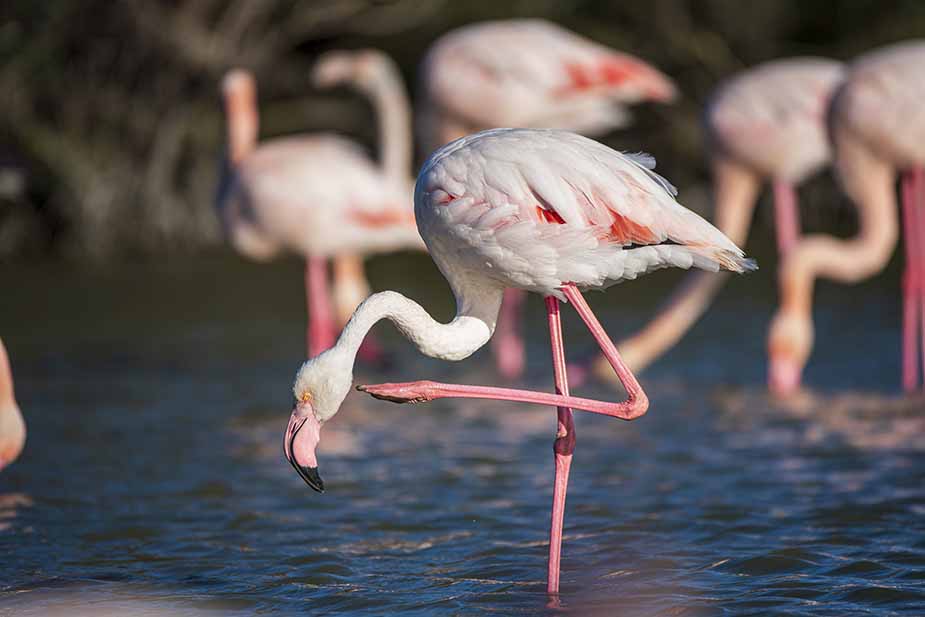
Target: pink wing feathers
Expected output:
[533,73]
[556,197]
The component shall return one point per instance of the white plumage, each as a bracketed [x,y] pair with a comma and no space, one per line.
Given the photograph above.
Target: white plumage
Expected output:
[536,209]
[531,73]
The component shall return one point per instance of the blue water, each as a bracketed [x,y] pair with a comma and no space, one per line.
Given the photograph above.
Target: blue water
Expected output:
[153,481]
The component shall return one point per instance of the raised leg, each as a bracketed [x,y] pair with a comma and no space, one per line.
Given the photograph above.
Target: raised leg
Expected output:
[507,344]
[633,407]
[320,334]
[786,216]
[911,283]
[563,447]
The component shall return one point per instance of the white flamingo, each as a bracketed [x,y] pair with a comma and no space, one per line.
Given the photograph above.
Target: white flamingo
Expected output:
[878,130]
[317,195]
[544,211]
[766,124]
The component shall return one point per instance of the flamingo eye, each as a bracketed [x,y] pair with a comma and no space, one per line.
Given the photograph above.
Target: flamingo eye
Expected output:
[306,397]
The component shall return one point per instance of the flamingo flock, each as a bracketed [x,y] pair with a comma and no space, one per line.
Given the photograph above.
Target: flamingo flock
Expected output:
[515,197]
[516,200]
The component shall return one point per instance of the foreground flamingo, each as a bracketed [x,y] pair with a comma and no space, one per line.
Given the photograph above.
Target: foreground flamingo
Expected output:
[316,195]
[12,426]
[767,123]
[544,211]
[878,131]
[528,73]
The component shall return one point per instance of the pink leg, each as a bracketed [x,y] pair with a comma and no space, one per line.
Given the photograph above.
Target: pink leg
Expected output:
[919,176]
[320,314]
[507,344]
[786,216]
[910,283]
[633,407]
[563,447]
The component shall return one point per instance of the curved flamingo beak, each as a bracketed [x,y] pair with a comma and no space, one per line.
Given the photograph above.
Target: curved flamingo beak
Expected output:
[302,436]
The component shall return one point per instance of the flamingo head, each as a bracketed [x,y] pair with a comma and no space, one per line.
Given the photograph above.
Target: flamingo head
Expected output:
[321,386]
[789,343]
[360,69]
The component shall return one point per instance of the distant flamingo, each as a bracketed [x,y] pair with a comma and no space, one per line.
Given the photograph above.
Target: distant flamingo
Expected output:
[767,123]
[878,131]
[528,73]
[12,426]
[544,211]
[316,195]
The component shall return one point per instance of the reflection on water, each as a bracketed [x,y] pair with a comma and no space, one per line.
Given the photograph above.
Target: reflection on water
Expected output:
[153,481]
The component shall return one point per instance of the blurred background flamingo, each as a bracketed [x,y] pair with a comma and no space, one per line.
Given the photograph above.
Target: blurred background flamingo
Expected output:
[878,130]
[12,425]
[535,74]
[319,195]
[766,124]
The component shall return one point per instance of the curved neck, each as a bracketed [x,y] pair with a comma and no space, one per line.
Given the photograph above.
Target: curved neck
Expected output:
[868,180]
[6,379]
[735,193]
[393,111]
[241,123]
[466,333]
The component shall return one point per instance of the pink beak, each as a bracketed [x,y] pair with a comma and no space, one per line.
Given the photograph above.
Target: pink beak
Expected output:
[302,436]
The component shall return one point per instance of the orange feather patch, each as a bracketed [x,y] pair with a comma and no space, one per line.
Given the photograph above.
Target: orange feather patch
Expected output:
[627,231]
[384,218]
[549,216]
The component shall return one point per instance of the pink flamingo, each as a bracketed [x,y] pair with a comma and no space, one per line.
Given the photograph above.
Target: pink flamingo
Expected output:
[12,425]
[544,211]
[528,73]
[767,123]
[317,195]
[878,131]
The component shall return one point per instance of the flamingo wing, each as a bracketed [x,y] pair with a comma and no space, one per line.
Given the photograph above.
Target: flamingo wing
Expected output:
[532,73]
[566,206]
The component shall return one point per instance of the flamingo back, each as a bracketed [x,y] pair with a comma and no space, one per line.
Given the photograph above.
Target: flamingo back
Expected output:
[882,102]
[538,208]
[321,195]
[772,117]
[532,73]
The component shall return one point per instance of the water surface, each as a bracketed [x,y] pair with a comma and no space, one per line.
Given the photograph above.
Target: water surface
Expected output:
[153,480]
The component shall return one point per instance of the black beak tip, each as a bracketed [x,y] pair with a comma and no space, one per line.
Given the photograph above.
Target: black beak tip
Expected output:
[311,477]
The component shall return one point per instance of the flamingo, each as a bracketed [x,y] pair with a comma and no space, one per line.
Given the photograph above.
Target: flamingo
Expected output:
[878,132]
[545,211]
[12,425]
[765,124]
[528,73]
[317,195]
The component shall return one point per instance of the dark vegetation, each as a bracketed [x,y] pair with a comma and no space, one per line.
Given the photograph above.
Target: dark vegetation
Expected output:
[111,128]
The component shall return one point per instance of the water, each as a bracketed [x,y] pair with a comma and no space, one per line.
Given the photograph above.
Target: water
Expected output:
[153,481]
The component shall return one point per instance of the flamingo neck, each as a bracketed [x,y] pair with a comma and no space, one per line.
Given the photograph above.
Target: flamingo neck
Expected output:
[469,330]
[7,397]
[241,123]
[868,180]
[394,115]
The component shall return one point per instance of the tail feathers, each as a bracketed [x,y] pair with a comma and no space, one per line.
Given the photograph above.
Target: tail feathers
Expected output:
[734,261]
